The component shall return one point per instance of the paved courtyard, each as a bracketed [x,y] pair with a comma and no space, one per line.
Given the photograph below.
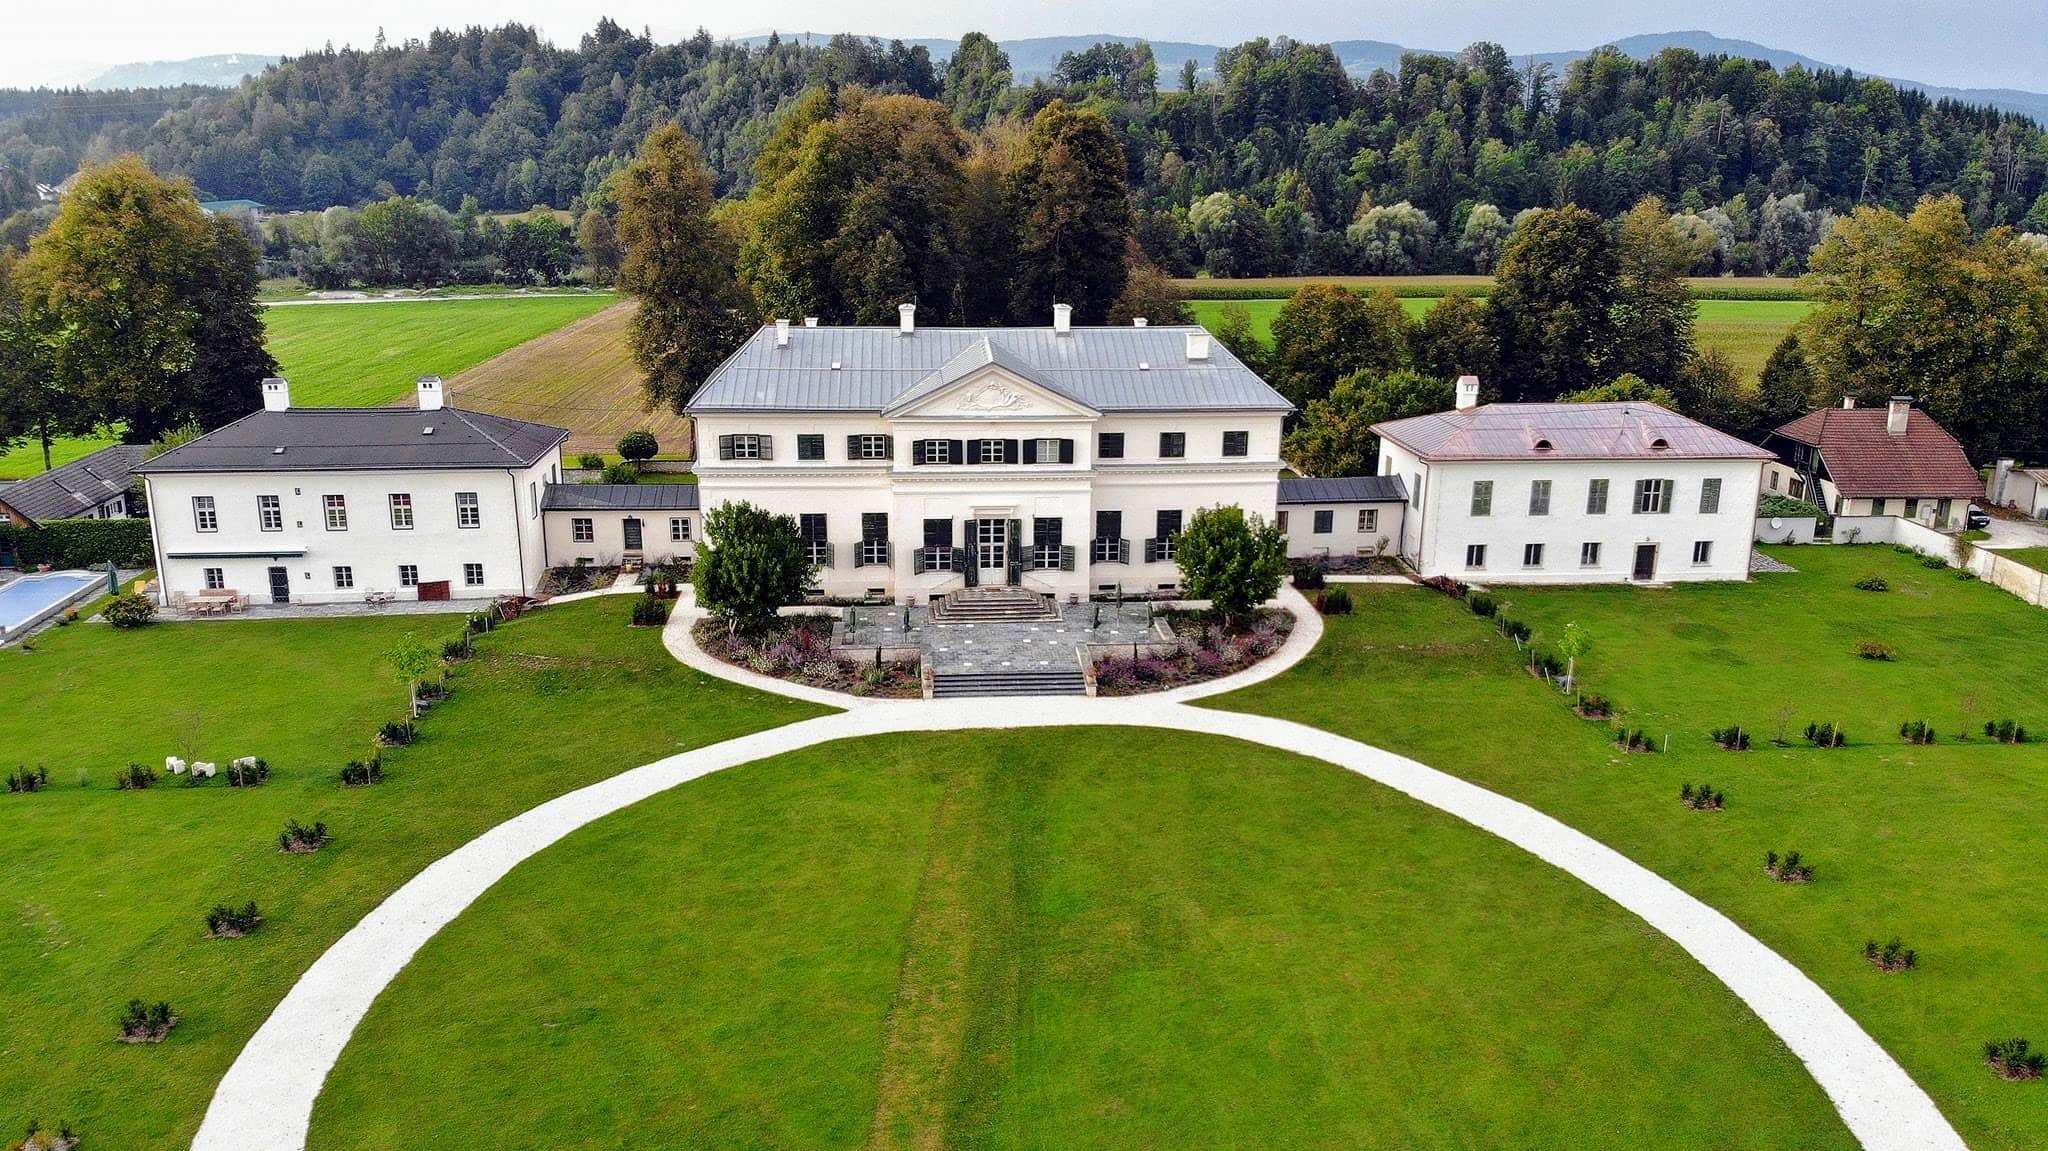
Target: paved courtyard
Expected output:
[984,647]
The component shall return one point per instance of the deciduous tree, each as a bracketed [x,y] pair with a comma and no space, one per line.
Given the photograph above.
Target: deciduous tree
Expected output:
[1073,216]
[1552,305]
[1334,436]
[754,563]
[1653,310]
[1325,332]
[1234,561]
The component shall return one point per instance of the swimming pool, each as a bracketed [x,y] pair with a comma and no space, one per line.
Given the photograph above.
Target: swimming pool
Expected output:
[32,598]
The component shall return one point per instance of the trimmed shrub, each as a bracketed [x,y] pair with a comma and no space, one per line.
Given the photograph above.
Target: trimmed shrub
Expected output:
[362,773]
[1335,601]
[2013,1059]
[248,775]
[1790,869]
[1483,605]
[41,1138]
[147,1023]
[1933,563]
[225,922]
[2005,731]
[1634,739]
[621,474]
[1780,506]
[397,733]
[82,543]
[129,610]
[1545,665]
[590,462]
[1916,731]
[298,839]
[1731,738]
[1594,706]
[1872,649]
[1308,577]
[639,445]
[136,778]
[1701,797]
[649,610]
[1873,582]
[1825,735]
[24,781]
[1513,629]
[1893,956]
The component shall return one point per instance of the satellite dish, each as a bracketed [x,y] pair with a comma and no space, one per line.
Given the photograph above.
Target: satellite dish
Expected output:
[1776,522]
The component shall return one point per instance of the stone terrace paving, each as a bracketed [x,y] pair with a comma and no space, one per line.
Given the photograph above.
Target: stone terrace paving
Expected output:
[983,647]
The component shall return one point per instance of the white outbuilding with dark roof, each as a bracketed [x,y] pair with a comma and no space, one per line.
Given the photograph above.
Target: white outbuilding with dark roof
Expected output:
[1342,518]
[328,505]
[1572,493]
[917,460]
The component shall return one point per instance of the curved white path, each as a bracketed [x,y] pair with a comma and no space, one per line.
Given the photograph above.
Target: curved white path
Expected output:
[266,1099]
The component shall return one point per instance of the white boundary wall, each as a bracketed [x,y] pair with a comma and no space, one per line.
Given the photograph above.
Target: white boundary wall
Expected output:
[2004,574]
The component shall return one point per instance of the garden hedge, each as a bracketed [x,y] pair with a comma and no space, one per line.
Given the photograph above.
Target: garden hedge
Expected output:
[1195,289]
[81,543]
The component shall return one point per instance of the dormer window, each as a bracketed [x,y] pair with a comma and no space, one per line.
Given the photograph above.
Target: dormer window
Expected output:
[1543,445]
[1660,444]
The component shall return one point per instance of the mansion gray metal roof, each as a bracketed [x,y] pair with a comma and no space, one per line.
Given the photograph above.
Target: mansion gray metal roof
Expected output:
[361,439]
[76,488]
[881,368]
[1343,490]
[619,497]
[1632,430]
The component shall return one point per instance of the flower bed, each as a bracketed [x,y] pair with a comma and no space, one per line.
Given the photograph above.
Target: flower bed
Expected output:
[1209,650]
[800,651]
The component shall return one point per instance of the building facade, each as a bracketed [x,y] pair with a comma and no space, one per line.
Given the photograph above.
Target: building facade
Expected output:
[1344,519]
[917,461]
[1889,461]
[321,505]
[1572,493]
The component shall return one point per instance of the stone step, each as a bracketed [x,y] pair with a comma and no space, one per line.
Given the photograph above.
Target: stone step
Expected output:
[994,605]
[958,684]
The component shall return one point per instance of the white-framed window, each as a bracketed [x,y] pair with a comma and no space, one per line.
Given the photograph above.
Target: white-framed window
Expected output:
[743,447]
[679,529]
[938,451]
[1710,497]
[472,575]
[204,517]
[1532,555]
[1368,519]
[401,511]
[1325,521]
[469,513]
[532,499]
[1046,451]
[1596,498]
[216,579]
[989,452]
[1702,551]
[1654,496]
[1589,555]
[1282,519]
[344,577]
[336,508]
[872,447]
[408,575]
[1475,555]
[1482,497]
[1173,445]
[1237,443]
[269,513]
[1539,497]
[582,530]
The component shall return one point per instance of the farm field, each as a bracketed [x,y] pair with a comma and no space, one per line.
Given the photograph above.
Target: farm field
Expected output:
[1746,330]
[26,459]
[580,376]
[365,355]
[1279,287]
[1937,845]
[106,891]
[1065,939]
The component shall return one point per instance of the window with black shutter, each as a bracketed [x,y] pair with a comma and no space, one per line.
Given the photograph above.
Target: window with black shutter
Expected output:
[1237,443]
[1109,546]
[938,546]
[874,540]
[1159,548]
[811,526]
[1045,542]
[810,447]
[1173,445]
[1110,446]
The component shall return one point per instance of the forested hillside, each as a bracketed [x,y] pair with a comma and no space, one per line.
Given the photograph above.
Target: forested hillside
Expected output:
[1279,163]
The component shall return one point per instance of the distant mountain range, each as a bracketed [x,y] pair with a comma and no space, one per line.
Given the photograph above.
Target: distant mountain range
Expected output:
[1034,57]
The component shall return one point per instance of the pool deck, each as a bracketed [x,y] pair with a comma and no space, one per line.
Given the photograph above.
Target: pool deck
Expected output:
[88,585]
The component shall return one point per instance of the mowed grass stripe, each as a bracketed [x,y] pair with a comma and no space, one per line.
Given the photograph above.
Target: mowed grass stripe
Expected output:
[581,377]
[364,355]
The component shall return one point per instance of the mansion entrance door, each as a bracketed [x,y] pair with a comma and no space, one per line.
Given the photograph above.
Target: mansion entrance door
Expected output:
[992,550]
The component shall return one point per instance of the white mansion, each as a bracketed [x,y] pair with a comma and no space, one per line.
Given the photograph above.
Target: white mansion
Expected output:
[919,460]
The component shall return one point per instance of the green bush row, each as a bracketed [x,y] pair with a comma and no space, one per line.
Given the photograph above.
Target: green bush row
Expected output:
[81,543]
[1424,291]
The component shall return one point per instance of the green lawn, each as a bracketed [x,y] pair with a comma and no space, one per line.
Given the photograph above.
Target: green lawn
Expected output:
[361,355]
[27,459]
[105,892]
[1056,940]
[1745,329]
[1939,845]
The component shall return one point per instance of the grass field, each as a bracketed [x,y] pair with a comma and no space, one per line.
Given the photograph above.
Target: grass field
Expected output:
[364,355]
[105,891]
[1065,939]
[1703,287]
[580,376]
[1746,330]
[27,459]
[1939,845]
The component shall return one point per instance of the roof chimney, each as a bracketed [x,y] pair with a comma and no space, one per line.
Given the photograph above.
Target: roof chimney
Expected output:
[431,395]
[277,394]
[1468,392]
[1848,402]
[782,333]
[810,321]
[1895,416]
[906,319]
[1137,321]
[1198,344]
[1062,319]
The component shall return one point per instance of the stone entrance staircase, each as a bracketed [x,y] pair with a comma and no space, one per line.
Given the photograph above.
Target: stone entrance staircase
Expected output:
[994,605]
[952,685]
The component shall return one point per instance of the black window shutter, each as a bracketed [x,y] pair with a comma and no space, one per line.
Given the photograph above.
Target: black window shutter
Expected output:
[767,447]
[917,452]
[1066,558]
[917,561]
[874,526]
[1030,451]
[1109,525]
[725,447]
[852,447]
[1010,451]
[960,451]
[888,447]
[1066,451]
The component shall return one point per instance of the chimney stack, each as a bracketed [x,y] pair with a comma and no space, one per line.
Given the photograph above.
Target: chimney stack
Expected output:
[1895,417]
[810,321]
[1062,319]
[1468,392]
[431,396]
[277,394]
[1137,321]
[1198,344]
[782,333]
[1848,403]
[906,319]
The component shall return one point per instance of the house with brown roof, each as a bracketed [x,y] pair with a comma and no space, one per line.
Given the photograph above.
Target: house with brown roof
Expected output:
[1571,493]
[1889,461]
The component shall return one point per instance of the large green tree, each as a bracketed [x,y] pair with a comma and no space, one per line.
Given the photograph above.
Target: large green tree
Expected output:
[1921,306]
[1325,332]
[1234,561]
[31,406]
[753,563]
[1552,306]
[1334,435]
[1653,312]
[693,311]
[1452,340]
[1073,213]
[977,79]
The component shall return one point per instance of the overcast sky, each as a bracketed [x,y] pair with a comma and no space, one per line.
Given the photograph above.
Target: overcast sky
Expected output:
[1965,43]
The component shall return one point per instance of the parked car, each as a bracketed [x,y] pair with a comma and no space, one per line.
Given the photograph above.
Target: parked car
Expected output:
[1975,519]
